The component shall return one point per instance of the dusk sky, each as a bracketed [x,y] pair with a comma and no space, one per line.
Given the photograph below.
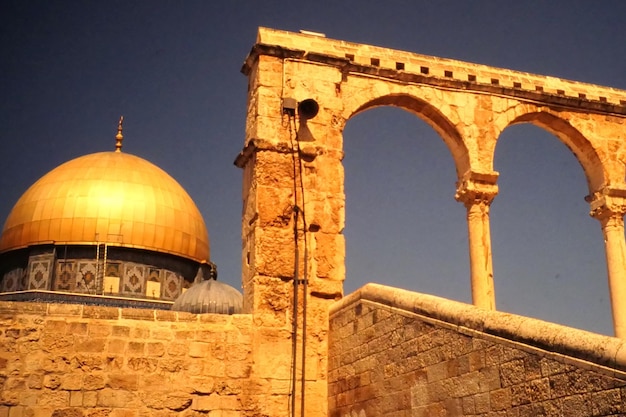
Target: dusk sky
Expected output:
[69,69]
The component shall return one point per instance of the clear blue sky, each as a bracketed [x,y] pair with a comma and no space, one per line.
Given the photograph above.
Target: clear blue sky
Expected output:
[69,69]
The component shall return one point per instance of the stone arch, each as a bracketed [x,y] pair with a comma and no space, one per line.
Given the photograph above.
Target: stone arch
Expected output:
[578,144]
[467,104]
[433,117]
[545,243]
[394,196]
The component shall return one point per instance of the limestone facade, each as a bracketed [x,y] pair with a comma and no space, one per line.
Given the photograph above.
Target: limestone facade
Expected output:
[72,360]
[396,353]
[391,352]
[380,351]
[469,105]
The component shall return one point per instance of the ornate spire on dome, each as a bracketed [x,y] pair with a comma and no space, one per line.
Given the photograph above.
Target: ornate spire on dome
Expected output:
[119,137]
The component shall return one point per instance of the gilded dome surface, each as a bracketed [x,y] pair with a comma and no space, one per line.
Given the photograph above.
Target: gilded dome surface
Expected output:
[108,197]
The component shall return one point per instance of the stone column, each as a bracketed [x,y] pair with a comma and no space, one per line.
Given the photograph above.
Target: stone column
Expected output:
[609,206]
[476,191]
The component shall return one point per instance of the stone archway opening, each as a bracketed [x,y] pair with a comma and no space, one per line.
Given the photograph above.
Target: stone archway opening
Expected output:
[433,117]
[544,241]
[403,226]
[580,146]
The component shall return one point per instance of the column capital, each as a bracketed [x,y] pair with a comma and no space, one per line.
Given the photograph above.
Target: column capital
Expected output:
[477,187]
[607,203]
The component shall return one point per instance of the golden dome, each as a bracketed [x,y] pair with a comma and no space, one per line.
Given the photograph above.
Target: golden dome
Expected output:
[108,197]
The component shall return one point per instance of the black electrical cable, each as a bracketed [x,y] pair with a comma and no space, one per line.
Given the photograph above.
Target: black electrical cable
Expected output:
[305,281]
[298,168]
[294,329]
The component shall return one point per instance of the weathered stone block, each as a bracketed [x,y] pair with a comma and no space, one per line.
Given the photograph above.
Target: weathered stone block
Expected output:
[184,334]
[99,412]
[98,312]
[56,342]
[120,412]
[275,252]
[207,403]
[120,331]
[88,362]
[18,411]
[68,412]
[71,382]
[99,329]
[175,401]
[155,349]
[40,412]
[199,349]
[135,348]
[330,256]
[177,348]
[54,398]
[272,299]
[274,169]
[93,345]
[137,313]
[140,332]
[52,381]
[608,402]
[35,381]
[276,341]
[9,398]
[128,382]
[201,385]
[76,399]
[512,373]
[92,382]
[165,315]
[55,326]
[500,399]
[116,346]
[239,369]
[162,334]
[108,397]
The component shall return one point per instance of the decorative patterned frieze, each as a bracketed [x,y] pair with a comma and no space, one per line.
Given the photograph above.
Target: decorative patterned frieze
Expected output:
[12,279]
[40,271]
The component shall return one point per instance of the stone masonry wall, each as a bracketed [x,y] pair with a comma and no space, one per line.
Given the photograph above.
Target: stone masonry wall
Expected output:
[75,361]
[396,353]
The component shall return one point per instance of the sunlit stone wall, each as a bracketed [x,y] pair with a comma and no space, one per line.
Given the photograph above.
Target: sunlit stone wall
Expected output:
[393,352]
[71,360]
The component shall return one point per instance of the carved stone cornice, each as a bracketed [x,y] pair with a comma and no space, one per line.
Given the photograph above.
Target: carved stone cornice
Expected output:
[257,145]
[477,188]
[348,66]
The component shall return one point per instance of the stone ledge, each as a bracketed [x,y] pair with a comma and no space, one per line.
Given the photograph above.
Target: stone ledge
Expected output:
[12,308]
[538,94]
[585,348]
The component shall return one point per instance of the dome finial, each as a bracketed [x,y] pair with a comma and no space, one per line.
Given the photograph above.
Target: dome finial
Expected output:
[119,137]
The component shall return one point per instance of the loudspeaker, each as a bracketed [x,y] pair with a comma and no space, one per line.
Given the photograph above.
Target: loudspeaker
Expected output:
[307,109]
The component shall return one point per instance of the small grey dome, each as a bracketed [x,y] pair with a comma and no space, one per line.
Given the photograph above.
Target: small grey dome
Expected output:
[209,296]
